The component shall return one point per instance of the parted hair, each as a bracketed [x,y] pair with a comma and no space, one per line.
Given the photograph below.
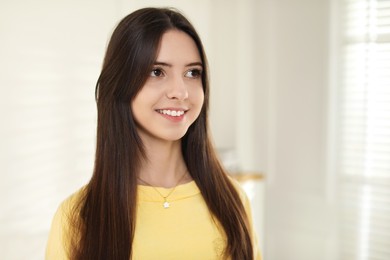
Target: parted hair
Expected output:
[102,222]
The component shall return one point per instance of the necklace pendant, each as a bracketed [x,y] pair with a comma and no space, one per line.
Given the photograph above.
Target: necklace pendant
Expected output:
[166,205]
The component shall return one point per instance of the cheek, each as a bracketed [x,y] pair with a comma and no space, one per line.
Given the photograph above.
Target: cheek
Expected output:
[136,105]
[198,96]
[139,106]
[201,100]
[145,98]
[197,103]
[135,112]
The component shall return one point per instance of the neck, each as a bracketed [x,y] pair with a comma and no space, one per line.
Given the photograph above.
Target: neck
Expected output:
[165,165]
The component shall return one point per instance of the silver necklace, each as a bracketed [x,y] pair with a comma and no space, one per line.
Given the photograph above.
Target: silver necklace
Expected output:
[166,203]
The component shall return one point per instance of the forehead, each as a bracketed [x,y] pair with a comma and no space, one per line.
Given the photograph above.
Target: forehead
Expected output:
[178,48]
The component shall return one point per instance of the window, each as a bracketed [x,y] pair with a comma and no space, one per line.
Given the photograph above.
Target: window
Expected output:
[363,150]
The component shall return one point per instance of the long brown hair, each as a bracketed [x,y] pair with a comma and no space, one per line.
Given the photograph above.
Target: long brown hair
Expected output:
[103,221]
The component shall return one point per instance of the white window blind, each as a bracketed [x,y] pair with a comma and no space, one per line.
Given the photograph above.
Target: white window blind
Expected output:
[364,130]
[48,67]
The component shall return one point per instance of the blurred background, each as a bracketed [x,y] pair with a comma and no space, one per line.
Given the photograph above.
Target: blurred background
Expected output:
[300,95]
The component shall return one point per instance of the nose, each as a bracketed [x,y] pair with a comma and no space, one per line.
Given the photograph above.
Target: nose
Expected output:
[177,89]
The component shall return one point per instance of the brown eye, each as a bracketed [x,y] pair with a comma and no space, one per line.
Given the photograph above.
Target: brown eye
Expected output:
[156,73]
[193,73]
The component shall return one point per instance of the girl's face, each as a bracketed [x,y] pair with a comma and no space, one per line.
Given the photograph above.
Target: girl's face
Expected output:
[172,97]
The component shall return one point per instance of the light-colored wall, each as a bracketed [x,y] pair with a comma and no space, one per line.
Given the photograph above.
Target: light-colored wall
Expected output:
[300,215]
[51,53]
[268,62]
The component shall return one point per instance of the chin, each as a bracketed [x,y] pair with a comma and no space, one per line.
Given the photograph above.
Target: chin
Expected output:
[174,135]
[173,138]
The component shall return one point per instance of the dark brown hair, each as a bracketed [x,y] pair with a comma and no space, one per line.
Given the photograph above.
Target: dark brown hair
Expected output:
[103,222]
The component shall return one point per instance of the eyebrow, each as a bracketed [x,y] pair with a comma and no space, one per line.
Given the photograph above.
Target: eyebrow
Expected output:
[170,65]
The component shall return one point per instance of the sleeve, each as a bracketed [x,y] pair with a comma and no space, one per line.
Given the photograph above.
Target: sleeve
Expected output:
[248,208]
[55,248]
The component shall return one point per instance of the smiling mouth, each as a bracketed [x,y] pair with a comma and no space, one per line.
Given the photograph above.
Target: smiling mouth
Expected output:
[171,112]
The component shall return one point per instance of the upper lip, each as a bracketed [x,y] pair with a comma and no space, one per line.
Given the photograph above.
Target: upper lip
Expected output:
[173,109]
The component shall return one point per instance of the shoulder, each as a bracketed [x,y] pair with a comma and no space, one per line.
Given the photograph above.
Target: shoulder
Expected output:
[241,192]
[58,235]
[71,200]
[247,205]
[70,204]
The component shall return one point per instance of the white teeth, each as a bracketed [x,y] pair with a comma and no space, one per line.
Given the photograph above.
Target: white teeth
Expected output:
[171,112]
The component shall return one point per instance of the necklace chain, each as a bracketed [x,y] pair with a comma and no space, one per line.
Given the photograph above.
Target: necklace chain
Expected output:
[166,204]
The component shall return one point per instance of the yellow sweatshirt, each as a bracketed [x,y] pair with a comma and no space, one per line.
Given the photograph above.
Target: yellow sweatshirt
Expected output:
[185,230]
